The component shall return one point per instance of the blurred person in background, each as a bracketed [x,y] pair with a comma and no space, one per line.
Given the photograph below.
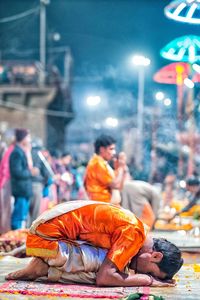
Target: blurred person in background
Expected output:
[21,172]
[3,148]
[192,196]
[38,182]
[5,190]
[54,158]
[169,189]
[50,195]
[142,199]
[66,178]
[77,188]
[100,178]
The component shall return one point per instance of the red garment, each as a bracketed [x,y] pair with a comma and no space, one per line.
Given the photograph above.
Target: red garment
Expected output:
[4,167]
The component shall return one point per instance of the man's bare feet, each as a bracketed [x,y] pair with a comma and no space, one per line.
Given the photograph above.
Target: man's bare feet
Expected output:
[35,269]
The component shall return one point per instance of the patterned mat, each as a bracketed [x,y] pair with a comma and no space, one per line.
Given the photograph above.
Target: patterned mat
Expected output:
[62,290]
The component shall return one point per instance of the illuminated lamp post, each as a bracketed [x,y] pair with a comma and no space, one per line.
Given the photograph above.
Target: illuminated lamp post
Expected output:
[141,62]
[111,122]
[93,100]
[191,138]
[175,73]
[185,49]
[187,11]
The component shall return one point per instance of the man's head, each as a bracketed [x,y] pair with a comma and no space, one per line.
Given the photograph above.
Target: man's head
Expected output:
[23,137]
[66,158]
[192,184]
[105,147]
[163,260]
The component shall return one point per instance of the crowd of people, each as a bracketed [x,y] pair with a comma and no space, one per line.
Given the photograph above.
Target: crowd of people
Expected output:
[32,180]
[107,232]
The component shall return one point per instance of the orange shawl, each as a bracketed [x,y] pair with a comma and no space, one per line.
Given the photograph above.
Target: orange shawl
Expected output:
[102,225]
[98,177]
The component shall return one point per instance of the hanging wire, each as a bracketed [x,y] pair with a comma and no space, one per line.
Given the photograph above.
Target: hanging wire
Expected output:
[14,29]
[21,15]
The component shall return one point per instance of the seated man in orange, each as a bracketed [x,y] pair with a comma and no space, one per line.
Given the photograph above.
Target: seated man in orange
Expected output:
[100,179]
[103,225]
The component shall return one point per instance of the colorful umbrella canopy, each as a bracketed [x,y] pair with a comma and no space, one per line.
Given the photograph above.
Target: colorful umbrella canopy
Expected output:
[174,73]
[184,11]
[185,48]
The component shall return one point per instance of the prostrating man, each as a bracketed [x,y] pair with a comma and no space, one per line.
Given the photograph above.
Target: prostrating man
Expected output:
[103,225]
[100,179]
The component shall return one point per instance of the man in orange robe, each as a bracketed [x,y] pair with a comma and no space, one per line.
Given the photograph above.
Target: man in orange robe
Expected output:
[100,178]
[107,226]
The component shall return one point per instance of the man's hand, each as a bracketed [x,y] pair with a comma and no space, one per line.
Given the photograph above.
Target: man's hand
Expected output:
[122,159]
[109,275]
[35,171]
[163,283]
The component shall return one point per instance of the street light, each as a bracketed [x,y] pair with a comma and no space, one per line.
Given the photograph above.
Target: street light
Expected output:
[189,83]
[141,62]
[159,96]
[196,67]
[112,122]
[167,101]
[93,100]
[43,4]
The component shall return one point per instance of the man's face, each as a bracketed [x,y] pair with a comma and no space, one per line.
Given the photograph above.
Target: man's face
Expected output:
[67,160]
[107,152]
[26,142]
[147,263]
[192,188]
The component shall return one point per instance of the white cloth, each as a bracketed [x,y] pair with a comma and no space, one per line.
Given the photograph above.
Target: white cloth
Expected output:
[75,263]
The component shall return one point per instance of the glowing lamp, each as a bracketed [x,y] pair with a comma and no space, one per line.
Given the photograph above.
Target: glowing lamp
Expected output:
[93,100]
[189,83]
[174,73]
[111,122]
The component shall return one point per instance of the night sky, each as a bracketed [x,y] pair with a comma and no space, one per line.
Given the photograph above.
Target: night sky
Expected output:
[102,35]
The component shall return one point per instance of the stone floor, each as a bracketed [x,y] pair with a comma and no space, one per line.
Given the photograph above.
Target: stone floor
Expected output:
[188,279]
